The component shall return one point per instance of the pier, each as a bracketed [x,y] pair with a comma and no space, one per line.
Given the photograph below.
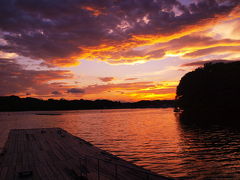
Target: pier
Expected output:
[53,153]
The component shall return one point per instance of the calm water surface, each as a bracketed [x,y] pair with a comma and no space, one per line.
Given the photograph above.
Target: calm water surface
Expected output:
[153,138]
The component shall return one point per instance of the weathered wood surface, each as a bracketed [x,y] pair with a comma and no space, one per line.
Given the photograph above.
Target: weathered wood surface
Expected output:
[53,153]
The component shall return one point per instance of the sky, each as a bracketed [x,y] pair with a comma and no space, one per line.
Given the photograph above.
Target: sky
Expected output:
[121,50]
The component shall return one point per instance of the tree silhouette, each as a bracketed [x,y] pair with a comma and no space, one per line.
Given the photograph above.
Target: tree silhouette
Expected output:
[15,103]
[214,88]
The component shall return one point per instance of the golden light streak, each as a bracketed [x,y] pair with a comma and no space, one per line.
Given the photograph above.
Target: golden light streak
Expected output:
[152,96]
[93,10]
[121,52]
[182,51]
[221,50]
[162,85]
[6,55]
[113,52]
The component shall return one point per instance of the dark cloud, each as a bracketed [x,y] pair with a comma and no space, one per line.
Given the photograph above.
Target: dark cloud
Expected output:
[58,31]
[76,91]
[106,79]
[131,79]
[56,93]
[14,79]
[201,63]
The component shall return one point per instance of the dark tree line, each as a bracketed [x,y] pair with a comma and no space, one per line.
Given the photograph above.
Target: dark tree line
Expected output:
[213,90]
[15,103]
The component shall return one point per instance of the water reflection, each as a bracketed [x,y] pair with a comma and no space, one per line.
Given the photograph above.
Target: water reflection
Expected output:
[210,150]
[154,138]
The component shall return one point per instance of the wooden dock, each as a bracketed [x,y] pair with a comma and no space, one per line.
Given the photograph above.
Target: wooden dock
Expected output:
[53,153]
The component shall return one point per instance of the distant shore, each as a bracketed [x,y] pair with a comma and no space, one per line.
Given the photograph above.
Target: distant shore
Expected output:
[15,103]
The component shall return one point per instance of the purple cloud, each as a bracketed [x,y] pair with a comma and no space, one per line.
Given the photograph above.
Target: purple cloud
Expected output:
[201,63]
[76,91]
[58,30]
[56,93]
[15,79]
[106,79]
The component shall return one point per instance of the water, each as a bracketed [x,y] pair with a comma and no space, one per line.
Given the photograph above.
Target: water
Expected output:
[152,138]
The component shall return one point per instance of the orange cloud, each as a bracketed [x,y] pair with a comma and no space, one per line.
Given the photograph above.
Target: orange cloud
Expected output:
[120,91]
[119,52]
[106,79]
[182,48]
[132,91]
[93,10]
[57,84]
[111,31]
[213,50]
[64,62]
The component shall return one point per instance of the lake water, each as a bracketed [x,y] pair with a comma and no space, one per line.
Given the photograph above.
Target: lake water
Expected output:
[152,138]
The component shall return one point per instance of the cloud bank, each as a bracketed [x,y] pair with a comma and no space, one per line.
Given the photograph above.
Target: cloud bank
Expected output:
[15,79]
[63,32]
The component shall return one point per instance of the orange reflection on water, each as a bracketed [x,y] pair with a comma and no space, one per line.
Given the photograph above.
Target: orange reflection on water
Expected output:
[153,138]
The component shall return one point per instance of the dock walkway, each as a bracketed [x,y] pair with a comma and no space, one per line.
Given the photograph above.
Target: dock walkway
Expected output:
[53,153]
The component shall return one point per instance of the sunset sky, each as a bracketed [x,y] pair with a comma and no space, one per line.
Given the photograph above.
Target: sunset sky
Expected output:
[126,50]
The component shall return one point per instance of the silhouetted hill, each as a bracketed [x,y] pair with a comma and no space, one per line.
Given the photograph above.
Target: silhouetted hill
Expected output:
[15,103]
[211,92]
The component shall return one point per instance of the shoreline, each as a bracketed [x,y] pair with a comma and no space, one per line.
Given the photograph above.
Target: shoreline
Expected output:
[34,110]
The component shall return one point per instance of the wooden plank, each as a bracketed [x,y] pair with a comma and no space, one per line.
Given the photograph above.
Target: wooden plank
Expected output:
[56,154]
[3,172]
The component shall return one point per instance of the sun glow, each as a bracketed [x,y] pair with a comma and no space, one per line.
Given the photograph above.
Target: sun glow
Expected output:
[152,96]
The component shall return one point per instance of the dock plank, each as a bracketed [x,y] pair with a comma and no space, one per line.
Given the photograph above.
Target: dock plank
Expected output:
[53,153]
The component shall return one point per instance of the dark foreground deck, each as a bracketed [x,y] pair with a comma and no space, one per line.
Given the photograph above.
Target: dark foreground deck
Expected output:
[56,154]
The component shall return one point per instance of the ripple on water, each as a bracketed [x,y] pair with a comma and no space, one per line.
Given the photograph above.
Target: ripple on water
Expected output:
[152,138]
